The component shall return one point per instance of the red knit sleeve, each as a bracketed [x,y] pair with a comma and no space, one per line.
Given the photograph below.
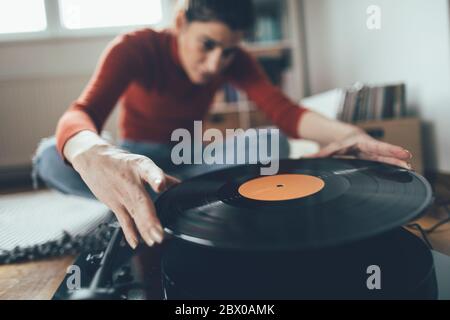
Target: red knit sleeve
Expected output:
[115,70]
[246,74]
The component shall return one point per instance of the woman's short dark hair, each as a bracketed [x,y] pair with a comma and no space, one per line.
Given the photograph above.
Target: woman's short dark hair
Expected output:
[236,14]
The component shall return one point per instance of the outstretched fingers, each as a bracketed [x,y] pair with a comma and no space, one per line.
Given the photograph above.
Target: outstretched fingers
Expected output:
[383,149]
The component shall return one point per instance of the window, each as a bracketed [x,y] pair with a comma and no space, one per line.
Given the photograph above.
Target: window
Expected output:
[22,16]
[43,19]
[85,14]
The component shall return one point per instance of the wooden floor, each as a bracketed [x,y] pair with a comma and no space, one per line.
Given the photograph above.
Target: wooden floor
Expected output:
[440,238]
[34,280]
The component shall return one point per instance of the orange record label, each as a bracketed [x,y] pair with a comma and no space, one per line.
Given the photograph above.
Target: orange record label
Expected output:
[281,187]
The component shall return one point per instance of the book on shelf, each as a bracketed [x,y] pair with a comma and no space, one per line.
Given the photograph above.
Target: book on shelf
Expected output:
[228,97]
[363,102]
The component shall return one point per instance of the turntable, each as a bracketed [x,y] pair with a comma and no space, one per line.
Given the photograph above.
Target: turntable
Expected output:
[320,229]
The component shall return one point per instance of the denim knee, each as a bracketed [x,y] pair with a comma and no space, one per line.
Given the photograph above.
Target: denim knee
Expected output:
[39,175]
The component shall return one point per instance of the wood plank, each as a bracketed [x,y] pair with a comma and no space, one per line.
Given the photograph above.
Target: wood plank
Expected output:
[440,238]
[33,280]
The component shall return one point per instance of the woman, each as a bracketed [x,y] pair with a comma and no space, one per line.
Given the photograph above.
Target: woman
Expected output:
[166,80]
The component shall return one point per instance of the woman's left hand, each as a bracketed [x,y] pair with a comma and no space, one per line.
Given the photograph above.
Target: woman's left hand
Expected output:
[363,146]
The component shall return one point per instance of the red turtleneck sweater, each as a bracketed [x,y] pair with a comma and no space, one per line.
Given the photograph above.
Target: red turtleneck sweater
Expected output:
[143,69]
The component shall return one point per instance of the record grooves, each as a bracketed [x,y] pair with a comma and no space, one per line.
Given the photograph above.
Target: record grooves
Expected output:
[358,199]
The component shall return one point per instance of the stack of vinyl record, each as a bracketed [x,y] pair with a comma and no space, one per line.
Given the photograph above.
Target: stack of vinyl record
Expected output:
[362,102]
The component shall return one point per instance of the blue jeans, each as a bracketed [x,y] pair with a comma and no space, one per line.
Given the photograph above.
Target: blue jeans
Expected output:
[49,167]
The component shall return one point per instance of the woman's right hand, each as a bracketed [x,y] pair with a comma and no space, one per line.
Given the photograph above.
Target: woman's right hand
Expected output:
[117,178]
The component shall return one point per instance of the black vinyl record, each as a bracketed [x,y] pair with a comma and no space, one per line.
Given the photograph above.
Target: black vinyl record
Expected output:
[350,200]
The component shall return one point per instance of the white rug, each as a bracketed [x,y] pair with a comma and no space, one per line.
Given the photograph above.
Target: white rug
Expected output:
[35,217]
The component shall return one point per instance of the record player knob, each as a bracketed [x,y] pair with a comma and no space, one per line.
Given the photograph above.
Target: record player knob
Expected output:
[95,258]
[124,275]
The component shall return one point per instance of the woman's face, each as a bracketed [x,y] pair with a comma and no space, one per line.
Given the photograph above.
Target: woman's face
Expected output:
[205,48]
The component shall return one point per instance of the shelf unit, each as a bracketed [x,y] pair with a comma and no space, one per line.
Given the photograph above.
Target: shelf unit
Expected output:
[273,49]
[284,52]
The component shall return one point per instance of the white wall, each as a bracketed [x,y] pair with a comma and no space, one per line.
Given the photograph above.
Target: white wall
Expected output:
[39,79]
[412,46]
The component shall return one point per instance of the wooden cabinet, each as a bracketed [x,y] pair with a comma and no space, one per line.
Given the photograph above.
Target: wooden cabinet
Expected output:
[233,118]
[405,132]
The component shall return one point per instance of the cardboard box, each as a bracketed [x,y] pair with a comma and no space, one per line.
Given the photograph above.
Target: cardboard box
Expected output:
[405,132]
